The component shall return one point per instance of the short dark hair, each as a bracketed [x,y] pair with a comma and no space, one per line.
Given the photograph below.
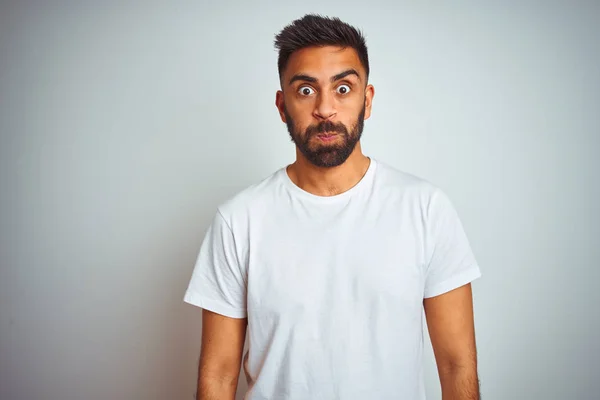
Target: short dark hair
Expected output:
[318,30]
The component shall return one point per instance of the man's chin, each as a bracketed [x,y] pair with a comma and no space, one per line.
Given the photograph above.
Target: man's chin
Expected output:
[324,151]
[326,159]
[327,162]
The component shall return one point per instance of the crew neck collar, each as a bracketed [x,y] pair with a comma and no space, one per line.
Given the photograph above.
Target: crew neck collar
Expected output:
[364,181]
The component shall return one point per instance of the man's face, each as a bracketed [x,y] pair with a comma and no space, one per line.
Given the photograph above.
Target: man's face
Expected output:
[324,103]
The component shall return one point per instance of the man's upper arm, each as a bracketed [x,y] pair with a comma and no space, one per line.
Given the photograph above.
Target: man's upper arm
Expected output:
[222,346]
[451,328]
[219,278]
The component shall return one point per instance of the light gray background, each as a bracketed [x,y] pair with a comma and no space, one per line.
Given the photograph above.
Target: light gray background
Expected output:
[124,126]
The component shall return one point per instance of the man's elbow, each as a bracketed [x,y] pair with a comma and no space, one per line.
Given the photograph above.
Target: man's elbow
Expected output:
[454,365]
[459,379]
[217,385]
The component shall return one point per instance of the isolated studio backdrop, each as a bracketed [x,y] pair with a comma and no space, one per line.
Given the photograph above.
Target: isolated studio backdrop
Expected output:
[123,126]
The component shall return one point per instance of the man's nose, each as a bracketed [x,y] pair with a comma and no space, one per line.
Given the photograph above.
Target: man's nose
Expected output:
[325,106]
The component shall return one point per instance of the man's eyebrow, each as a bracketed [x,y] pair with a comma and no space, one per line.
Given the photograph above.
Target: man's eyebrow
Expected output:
[344,74]
[312,79]
[302,77]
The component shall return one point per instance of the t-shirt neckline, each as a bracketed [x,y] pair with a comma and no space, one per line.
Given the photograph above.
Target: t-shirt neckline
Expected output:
[364,181]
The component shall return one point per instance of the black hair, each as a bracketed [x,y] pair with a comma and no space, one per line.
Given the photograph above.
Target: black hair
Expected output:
[317,30]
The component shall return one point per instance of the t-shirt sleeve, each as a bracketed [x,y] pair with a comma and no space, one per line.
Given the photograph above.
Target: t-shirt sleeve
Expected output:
[218,281]
[452,263]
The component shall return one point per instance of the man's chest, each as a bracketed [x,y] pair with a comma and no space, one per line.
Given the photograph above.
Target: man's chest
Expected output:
[310,268]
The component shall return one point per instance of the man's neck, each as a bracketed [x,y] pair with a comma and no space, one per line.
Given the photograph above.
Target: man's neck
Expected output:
[329,181]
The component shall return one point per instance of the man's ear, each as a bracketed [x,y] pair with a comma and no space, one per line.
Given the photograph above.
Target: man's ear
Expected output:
[369,94]
[280,104]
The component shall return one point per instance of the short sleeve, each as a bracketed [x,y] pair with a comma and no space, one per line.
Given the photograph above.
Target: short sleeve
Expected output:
[452,263]
[218,281]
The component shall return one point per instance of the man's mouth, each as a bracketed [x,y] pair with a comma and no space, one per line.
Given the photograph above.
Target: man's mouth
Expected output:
[326,136]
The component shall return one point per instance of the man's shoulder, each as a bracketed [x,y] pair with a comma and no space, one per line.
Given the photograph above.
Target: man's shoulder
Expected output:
[252,198]
[398,186]
[392,179]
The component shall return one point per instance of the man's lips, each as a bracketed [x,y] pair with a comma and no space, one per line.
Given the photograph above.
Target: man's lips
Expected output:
[326,136]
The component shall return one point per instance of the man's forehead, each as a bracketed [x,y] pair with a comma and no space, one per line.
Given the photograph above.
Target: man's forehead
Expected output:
[322,62]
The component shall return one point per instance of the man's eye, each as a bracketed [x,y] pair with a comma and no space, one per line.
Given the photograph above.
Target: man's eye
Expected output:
[305,90]
[343,89]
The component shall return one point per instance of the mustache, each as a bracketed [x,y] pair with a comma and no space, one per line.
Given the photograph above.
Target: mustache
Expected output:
[326,126]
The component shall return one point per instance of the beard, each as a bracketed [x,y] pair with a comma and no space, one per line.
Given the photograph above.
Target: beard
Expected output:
[326,154]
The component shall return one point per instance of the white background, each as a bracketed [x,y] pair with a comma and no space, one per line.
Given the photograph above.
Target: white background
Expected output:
[124,126]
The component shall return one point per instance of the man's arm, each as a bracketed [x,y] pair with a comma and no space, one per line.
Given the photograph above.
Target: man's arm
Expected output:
[452,332]
[220,356]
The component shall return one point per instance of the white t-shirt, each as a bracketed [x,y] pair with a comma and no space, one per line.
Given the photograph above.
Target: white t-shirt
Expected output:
[333,287]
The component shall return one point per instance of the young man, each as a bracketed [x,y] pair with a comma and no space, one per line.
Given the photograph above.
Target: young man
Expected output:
[329,262]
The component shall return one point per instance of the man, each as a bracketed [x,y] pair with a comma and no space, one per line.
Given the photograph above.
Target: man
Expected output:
[329,262]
